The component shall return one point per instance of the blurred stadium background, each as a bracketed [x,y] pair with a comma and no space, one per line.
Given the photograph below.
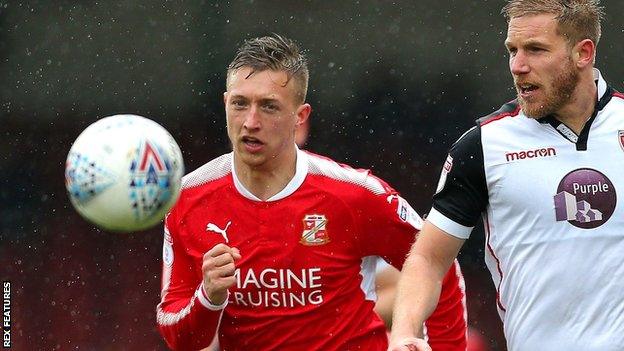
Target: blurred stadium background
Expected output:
[393,84]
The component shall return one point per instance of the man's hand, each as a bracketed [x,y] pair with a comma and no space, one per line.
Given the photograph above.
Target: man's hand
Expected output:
[218,270]
[409,344]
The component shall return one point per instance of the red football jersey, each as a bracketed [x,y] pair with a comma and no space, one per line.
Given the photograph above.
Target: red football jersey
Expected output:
[306,276]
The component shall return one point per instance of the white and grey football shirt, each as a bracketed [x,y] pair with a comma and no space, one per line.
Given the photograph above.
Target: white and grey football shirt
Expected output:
[554,226]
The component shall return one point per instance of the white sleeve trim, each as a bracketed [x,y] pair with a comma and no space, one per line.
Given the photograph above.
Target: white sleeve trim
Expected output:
[448,225]
[201,295]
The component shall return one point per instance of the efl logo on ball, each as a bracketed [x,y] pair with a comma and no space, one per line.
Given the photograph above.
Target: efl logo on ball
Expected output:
[123,173]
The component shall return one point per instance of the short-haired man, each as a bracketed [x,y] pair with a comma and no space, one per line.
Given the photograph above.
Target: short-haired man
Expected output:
[274,248]
[545,172]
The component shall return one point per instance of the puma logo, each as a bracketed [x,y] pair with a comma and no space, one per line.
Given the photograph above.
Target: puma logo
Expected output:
[214,228]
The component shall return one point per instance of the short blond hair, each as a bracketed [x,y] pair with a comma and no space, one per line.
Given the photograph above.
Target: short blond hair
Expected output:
[578,19]
[273,53]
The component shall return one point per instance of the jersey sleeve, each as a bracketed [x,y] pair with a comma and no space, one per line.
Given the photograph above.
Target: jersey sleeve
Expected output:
[186,318]
[461,195]
[447,326]
[387,225]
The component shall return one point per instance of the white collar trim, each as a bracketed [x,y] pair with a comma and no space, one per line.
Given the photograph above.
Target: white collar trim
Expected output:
[601,83]
[301,171]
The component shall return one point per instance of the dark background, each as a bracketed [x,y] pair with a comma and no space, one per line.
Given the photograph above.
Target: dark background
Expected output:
[392,85]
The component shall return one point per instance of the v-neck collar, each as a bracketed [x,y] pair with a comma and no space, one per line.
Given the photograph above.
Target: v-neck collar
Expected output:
[301,170]
[603,97]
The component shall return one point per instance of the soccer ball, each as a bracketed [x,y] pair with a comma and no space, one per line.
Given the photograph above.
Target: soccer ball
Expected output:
[123,173]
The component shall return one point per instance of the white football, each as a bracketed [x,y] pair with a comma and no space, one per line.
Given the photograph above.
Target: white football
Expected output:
[123,173]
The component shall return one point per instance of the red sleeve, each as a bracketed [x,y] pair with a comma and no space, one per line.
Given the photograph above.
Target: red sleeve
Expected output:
[447,327]
[387,225]
[185,317]
[388,228]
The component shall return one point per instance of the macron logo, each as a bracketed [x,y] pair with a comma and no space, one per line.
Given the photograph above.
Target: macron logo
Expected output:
[521,155]
[214,228]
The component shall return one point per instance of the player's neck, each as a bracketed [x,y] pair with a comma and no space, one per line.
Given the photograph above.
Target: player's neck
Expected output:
[581,105]
[266,180]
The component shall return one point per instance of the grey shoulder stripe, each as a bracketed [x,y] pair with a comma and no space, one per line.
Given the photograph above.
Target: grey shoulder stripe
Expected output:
[331,169]
[212,170]
[169,318]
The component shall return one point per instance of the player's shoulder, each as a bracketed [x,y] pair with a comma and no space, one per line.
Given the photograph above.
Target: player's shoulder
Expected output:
[471,139]
[618,95]
[469,144]
[615,96]
[202,183]
[210,172]
[505,112]
[344,177]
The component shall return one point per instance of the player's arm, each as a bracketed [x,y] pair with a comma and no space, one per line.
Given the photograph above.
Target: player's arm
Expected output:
[386,280]
[192,302]
[390,229]
[460,199]
[420,285]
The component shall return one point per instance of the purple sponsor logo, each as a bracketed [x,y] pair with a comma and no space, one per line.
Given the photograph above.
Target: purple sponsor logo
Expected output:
[585,198]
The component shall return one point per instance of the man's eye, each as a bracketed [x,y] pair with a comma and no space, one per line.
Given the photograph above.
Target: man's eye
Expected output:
[271,107]
[238,103]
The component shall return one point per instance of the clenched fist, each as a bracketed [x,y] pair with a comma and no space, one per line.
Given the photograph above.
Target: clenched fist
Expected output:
[218,270]
[410,344]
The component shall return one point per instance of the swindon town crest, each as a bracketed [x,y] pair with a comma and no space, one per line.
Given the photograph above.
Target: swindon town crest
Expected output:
[621,138]
[314,230]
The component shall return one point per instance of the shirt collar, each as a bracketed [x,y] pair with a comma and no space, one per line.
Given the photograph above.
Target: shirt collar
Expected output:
[301,171]
[604,94]
[602,97]
[600,83]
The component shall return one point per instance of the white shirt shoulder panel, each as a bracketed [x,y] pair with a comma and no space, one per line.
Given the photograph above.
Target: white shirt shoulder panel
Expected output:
[329,168]
[215,169]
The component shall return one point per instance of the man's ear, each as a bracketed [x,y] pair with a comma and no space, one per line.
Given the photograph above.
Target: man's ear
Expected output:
[302,126]
[584,53]
[303,113]
[225,96]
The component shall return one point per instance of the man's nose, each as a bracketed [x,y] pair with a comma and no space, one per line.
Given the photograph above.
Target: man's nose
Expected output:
[519,64]
[252,119]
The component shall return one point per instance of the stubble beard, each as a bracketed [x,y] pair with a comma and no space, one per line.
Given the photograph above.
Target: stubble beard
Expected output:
[562,87]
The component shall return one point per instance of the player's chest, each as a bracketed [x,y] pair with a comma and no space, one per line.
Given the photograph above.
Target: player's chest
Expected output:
[546,178]
[291,232]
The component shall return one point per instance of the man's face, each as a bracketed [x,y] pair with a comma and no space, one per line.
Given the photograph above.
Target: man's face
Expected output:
[262,113]
[541,65]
